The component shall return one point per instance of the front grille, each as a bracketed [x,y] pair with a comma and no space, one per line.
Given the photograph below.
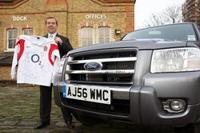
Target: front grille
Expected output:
[118,68]
[117,71]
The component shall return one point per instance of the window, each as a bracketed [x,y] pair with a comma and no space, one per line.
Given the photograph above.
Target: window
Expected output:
[11,38]
[94,34]
[86,36]
[104,34]
[172,32]
[27,31]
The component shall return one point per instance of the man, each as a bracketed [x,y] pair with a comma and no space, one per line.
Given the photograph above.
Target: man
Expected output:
[45,92]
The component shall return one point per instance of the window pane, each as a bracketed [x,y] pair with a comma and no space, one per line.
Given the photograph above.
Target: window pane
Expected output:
[11,44]
[104,34]
[9,33]
[28,31]
[14,34]
[11,38]
[86,37]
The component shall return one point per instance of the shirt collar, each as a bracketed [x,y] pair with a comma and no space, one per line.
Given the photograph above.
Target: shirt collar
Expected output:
[54,35]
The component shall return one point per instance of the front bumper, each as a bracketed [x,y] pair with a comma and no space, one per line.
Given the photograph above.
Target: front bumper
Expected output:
[168,86]
[144,101]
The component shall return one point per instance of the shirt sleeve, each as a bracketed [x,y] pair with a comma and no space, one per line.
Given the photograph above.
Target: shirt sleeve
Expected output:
[14,62]
[18,51]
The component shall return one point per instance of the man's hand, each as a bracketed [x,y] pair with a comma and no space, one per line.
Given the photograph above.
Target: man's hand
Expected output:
[58,40]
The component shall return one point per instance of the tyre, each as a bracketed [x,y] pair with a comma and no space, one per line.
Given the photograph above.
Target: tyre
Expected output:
[67,116]
[192,128]
[84,119]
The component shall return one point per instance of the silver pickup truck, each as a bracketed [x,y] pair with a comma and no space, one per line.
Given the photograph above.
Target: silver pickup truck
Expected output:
[150,77]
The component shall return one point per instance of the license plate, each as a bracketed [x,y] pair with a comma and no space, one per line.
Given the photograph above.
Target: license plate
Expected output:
[87,93]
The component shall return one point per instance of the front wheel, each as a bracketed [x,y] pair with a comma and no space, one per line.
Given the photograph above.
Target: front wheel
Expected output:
[191,128]
[67,116]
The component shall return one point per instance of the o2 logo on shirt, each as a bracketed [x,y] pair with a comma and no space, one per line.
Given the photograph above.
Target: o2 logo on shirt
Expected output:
[35,58]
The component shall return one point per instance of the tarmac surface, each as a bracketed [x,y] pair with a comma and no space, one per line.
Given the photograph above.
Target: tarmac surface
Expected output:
[19,113]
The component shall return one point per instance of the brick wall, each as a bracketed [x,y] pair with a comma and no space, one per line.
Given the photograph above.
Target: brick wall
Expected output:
[5,73]
[71,14]
[191,11]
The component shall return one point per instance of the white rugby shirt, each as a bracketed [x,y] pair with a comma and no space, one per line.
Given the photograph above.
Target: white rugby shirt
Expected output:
[34,57]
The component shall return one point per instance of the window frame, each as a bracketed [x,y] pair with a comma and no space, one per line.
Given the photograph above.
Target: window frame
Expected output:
[8,39]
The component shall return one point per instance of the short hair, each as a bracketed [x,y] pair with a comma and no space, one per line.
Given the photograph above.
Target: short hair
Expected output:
[51,18]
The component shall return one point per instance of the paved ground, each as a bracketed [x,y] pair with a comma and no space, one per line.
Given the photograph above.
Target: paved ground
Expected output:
[19,113]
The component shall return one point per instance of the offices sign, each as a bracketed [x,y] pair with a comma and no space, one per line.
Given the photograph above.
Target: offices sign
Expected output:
[95,16]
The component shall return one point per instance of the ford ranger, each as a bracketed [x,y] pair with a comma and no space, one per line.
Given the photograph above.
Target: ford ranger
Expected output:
[150,77]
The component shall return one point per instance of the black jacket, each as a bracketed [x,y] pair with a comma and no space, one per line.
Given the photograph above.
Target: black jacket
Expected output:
[65,47]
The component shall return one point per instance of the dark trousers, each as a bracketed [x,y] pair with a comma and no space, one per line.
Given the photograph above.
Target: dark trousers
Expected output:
[45,103]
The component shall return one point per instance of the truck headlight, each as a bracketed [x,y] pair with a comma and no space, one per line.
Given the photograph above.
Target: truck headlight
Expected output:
[175,60]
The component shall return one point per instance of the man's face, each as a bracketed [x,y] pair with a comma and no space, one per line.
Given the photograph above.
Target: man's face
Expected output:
[51,25]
